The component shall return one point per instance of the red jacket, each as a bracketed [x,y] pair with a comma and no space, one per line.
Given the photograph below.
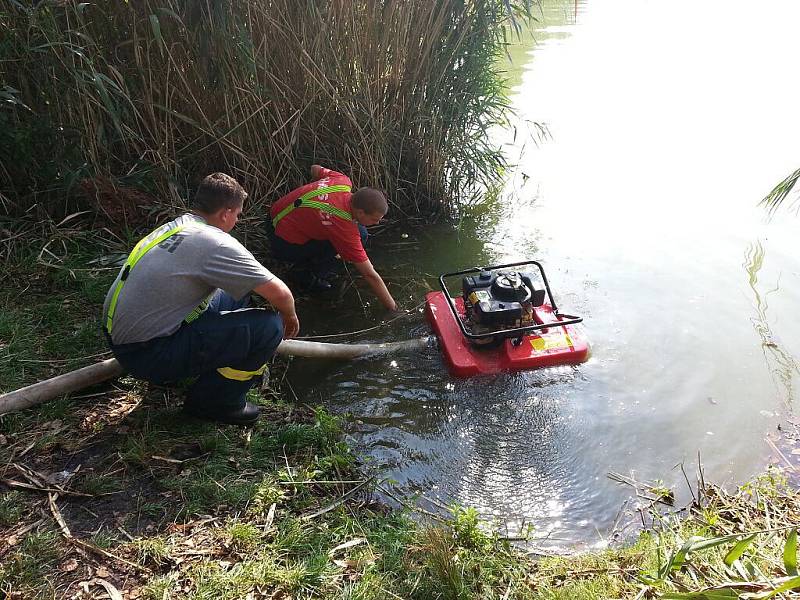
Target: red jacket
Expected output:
[304,224]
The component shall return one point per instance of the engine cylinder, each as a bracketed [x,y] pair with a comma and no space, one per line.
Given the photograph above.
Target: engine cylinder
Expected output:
[509,287]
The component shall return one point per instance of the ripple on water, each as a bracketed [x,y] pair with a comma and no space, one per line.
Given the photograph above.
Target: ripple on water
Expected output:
[507,445]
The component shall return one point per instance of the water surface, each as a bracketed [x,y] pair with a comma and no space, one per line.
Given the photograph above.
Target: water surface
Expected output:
[667,122]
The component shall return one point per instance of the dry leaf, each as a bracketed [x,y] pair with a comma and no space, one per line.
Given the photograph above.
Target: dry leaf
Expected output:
[346,545]
[112,592]
[68,565]
[101,572]
[270,516]
[346,564]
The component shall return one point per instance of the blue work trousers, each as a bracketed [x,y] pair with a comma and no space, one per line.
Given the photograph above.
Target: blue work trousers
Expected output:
[226,348]
[314,259]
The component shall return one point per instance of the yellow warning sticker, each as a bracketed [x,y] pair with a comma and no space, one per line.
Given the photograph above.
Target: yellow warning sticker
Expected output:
[551,342]
[479,296]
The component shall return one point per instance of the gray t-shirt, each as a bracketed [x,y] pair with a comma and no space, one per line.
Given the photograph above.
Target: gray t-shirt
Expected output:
[176,275]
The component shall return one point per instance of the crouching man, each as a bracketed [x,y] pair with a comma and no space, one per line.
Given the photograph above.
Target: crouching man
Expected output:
[177,309]
[322,219]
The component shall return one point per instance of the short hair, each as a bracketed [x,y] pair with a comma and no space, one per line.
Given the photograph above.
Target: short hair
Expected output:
[218,191]
[370,200]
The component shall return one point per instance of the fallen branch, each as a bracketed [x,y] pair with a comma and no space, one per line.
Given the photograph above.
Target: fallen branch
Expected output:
[409,505]
[360,331]
[338,502]
[323,481]
[35,488]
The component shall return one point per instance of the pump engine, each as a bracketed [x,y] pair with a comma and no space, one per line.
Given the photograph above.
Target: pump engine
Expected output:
[495,301]
[503,321]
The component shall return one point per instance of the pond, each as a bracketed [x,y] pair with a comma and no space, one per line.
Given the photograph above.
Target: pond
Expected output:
[645,135]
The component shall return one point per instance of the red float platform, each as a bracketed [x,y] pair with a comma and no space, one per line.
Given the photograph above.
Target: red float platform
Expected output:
[556,345]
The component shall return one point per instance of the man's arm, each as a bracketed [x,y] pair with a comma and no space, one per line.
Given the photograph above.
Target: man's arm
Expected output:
[277,294]
[374,280]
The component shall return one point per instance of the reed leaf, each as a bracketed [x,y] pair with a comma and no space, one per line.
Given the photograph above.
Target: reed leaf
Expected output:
[790,554]
[156,27]
[786,586]
[725,594]
[736,552]
[693,544]
[780,192]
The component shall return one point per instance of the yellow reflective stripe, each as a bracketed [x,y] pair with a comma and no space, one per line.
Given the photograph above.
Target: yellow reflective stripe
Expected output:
[328,189]
[282,214]
[112,306]
[132,260]
[329,208]
[139,250]
[306,202]
[200,309]
[237,375]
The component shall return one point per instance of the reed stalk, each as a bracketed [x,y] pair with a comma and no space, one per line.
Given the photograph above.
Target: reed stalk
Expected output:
[154,94]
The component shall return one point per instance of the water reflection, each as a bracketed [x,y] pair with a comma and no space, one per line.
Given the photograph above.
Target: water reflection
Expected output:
[781,364]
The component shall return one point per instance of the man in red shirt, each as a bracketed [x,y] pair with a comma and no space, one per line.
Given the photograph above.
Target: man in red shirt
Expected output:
[321,219]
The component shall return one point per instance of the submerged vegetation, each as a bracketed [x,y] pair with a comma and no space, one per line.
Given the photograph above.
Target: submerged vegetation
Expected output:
[130,103]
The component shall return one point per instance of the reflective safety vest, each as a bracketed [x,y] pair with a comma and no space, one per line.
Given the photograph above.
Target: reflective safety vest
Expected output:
[143,247]
[307,201]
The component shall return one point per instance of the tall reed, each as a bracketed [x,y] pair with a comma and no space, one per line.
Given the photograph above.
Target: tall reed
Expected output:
[152,95]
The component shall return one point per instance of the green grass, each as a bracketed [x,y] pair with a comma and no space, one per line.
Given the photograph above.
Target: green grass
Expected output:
[105,539]
[11,508]
[217,535]
[49,317]
[30,568]
[242,536]
[99,484]
[152,551]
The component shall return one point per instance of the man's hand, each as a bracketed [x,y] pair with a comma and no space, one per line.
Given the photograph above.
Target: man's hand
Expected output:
[278,294]
[316,172]
[374,280]
[291,325]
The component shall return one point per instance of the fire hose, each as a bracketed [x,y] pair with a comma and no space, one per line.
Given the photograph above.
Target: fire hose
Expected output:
[108,369]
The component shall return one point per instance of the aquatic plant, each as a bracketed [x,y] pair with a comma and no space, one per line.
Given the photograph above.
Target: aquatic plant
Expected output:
[780,192]
[129,102]
[741,545]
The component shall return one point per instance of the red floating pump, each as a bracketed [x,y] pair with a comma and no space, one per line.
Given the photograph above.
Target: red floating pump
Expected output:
[503,321]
